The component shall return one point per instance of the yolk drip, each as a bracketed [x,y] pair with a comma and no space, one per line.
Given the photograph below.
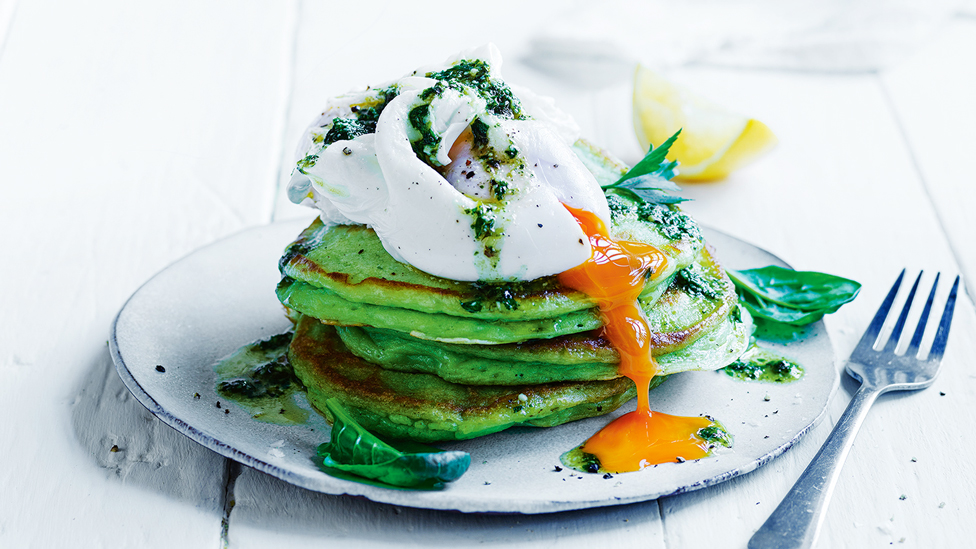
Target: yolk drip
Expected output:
[614,275]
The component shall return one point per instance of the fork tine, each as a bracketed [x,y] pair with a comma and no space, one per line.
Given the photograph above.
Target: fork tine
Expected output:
[922,321]
[942,336]
[871,334]
[900,323]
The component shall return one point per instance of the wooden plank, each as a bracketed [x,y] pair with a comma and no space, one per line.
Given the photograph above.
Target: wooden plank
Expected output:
[7,9]
[269,511]
[132,134]
[835,196]
[932,96]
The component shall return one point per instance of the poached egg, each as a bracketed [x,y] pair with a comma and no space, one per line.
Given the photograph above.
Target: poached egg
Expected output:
[459,175]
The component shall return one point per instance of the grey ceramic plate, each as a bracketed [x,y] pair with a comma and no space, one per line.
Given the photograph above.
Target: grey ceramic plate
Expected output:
[220,297]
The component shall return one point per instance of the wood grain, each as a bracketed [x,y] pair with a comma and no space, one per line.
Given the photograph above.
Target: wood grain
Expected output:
[132,134]
[268,511]
[835,196]
[7,9]
[931,98]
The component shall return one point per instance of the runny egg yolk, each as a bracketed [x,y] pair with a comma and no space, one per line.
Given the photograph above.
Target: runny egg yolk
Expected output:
[614,275]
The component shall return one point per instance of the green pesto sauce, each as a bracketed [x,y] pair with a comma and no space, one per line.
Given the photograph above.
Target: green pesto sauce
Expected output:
[692,280]
[715,435]
[484,218]
[499,188]
[479,134]
[307,162]
[672,222]
[347,129]
[426,147]
[363,120]
[474,74]
[758,364]
[490,296]
[258,378]
[581,461]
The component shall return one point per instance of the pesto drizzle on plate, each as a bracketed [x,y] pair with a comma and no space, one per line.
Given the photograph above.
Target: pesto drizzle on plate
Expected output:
[258,378]
[759,364]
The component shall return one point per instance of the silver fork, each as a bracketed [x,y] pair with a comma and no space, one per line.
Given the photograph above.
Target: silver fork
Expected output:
[796,521]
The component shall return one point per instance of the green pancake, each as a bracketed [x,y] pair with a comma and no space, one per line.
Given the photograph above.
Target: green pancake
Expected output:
[581,357]
[673,313]
[426,408]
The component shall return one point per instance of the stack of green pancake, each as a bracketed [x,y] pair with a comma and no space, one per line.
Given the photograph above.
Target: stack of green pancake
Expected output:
[415,356]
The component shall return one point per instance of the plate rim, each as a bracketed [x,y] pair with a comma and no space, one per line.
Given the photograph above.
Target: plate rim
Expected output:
[350,487]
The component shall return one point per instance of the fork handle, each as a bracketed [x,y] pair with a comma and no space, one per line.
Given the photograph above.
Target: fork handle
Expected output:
[796,521]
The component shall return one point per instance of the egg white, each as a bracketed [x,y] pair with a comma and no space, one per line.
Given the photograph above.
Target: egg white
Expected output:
[424,217]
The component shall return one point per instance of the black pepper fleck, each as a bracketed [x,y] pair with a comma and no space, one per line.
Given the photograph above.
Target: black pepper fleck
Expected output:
[680,459]
[346,151]
[218,404]
[160,369]
[608,476]
[558,469]
[114,448]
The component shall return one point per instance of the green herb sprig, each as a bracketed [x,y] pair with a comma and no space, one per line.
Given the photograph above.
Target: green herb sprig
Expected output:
[649,180]
[791,297]
[354,450]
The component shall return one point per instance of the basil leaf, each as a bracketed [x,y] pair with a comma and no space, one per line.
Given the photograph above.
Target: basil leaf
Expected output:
[760,308]
[353,449]
[792,297]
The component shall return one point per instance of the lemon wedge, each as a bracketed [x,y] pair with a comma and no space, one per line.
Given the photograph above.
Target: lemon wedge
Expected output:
[713,141]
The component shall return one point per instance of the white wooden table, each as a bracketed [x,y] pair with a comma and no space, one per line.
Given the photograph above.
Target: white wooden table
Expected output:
[132,134]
